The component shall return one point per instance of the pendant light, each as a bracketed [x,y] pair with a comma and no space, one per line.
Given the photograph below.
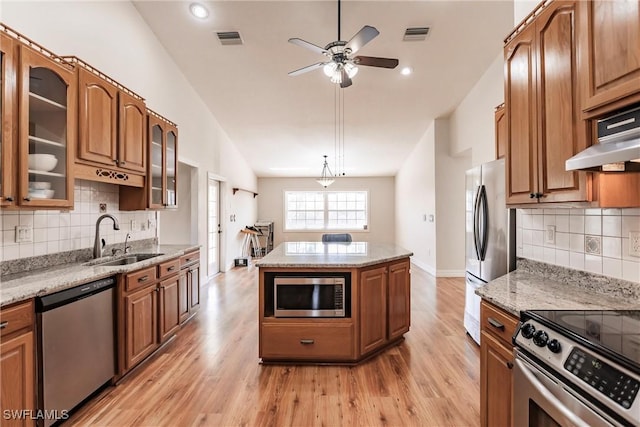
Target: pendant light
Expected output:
[326,178]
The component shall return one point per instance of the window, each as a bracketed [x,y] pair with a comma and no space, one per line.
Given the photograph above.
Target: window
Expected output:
[326,210]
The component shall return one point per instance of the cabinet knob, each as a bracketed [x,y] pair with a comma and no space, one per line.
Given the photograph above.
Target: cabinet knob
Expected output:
[4,324]
[115,162]
[532,195]
[509,365]
[539,195]
[122,163]
[9,199]
[26,199]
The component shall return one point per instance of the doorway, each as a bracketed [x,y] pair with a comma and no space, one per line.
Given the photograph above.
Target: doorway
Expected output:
[213,226]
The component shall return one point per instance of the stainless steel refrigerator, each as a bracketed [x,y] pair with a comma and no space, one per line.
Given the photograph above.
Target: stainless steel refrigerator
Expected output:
[490,236]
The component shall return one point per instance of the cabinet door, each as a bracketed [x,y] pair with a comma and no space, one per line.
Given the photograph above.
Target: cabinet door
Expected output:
[141,325]
[609,37]
[171,167]
[496,362]
[132,145]
[183,296]
[561,131]
[169,307]
[520,100]
[194,288]
[373,309]
[399,299]
[17,368]
[98,117]
[501,132]
[155,175]
[47,130]
[8,132]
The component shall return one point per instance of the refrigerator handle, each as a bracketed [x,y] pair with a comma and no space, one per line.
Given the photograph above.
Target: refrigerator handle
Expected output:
[485,226]
[476,224]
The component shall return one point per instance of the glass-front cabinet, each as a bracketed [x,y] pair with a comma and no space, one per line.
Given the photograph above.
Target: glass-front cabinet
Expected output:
[7,133]
[163,151]
[47,110]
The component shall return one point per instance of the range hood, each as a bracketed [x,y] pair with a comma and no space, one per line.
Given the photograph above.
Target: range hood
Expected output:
[618,147]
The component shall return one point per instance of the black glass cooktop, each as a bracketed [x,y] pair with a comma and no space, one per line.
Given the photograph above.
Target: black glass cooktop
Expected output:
[612,333]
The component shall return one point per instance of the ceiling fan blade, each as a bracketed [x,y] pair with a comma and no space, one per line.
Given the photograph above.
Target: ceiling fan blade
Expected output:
[345,80]
[364,36]
[307,68]
[307,45]
[372,61]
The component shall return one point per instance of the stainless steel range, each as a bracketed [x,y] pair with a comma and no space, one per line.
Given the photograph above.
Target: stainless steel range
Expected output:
[577,368]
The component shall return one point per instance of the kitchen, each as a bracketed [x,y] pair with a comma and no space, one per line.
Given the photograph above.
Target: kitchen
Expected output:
[411,217]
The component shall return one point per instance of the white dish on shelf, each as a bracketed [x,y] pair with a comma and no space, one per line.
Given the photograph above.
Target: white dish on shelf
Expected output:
[42,162]
[41,194]
[39,185]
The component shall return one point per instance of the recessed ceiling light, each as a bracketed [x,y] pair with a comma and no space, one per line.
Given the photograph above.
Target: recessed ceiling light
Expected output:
[198,10]
[406,71]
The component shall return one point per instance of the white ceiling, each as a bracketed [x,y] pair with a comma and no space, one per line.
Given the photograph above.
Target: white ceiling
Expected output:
[283,125]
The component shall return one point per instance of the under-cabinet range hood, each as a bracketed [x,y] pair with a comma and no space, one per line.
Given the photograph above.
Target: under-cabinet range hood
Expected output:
[618,147]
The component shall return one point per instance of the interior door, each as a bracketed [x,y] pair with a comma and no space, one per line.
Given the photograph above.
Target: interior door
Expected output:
[213,227]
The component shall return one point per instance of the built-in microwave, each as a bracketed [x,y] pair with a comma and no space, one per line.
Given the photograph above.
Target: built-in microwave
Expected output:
[309,296]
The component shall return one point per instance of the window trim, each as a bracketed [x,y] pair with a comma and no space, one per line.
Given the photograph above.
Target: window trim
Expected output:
[326,230]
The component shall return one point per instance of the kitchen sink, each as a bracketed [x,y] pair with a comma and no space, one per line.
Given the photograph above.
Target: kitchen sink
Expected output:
[128,259]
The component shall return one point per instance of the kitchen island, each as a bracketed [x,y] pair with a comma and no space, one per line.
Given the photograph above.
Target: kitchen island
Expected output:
[371,308]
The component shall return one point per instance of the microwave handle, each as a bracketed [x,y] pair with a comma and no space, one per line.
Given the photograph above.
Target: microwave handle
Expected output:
[566,412]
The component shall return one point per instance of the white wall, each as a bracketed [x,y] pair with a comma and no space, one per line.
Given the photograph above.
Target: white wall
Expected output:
[473,123]
[111,36]
[381,201]
[416,201]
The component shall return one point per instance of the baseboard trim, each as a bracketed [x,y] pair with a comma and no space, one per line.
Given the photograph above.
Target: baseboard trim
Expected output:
[425,267]
[450,273]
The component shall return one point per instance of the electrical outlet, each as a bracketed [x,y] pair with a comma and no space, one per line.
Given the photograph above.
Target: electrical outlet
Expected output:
[550,235]
[102,207]
[151,223]
[24,234]
[134,225]
[634,243]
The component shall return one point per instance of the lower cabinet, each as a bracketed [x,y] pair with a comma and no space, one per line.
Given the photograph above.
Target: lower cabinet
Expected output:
[17,364]
[189,285]
[330,340]
[373,309]
[169,307]
[399,305]
[496,363]
[141,330]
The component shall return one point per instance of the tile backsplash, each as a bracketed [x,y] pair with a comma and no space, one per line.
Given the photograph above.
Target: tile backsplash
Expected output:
[59,231]
[592,240]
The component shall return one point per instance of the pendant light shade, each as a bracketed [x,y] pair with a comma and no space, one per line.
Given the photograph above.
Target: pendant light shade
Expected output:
[326,178]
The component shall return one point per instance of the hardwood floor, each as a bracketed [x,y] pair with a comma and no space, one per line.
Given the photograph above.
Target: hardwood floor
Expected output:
[210,374]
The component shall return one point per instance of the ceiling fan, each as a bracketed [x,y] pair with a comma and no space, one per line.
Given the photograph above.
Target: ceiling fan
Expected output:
[342,65]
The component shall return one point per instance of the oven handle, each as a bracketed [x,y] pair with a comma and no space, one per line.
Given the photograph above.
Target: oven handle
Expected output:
[573,419]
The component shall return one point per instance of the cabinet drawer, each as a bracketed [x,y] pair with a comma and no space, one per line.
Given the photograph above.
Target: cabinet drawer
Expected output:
[168,268]
[305,341]
[16,317]
[497,322]
[189,258]
[140,278]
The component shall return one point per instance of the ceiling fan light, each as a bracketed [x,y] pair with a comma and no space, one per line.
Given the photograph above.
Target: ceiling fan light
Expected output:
[329,69]
[351,70]
[336,77]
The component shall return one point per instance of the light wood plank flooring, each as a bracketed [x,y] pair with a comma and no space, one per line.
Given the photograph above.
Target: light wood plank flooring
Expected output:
[210,374]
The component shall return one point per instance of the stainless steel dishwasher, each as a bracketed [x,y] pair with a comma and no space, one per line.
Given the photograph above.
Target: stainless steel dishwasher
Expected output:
[76,352]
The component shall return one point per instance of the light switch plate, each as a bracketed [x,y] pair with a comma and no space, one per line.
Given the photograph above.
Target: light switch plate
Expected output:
[550,235]
[24,234]
[634,243]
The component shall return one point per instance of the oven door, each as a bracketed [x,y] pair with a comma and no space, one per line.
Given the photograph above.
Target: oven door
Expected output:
[539,400]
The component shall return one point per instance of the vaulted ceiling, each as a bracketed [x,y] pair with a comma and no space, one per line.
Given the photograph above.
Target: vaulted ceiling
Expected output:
[283,125]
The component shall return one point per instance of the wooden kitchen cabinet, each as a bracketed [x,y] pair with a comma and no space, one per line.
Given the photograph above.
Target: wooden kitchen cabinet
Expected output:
[496,363]
[17,362]
[373,309]
[169,307]
[609,46]
[501,131]
[543,120]
[141,314]
[8,133]
[160,190]
[399,301]
[189,286]
[111,129]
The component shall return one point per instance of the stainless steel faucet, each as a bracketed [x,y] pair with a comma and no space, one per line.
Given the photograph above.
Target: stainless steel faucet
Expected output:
[97,247]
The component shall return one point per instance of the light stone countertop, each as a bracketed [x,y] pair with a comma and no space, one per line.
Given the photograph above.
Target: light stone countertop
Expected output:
[22,286]
[538,286]
[331,255]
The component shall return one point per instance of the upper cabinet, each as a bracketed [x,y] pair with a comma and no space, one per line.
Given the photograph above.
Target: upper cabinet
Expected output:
[8,133]
[543,121]
[501,131]
[609,45]
[111,129]
[160,189]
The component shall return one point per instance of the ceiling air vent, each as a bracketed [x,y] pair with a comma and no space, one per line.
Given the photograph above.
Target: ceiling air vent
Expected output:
[415,34]
[229,37]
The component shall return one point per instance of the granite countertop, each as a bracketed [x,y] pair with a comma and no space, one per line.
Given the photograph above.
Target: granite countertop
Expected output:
[327,255]
[43,281]
[539,286]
